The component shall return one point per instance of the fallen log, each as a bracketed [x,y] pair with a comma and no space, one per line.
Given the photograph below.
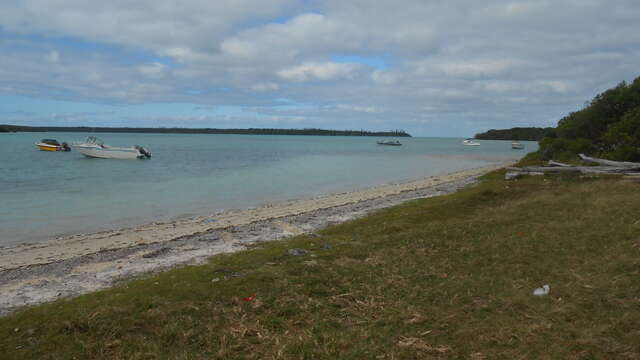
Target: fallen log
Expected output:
[510,175]
[515,172]
[582,169]
[609,162]
[556,163]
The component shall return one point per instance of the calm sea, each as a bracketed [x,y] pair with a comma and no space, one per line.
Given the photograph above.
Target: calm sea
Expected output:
[49,194]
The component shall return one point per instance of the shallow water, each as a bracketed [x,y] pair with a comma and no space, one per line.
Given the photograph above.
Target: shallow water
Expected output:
[49,194]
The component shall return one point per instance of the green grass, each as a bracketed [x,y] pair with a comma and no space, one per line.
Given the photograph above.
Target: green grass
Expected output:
[446,277]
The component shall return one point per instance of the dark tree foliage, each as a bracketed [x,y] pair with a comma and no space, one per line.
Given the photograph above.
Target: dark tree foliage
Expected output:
[323,132]
[517,133]
[623,138]
[609,126]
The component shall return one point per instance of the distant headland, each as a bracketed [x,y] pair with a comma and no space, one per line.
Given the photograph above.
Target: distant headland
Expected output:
[250,131]
[517,133]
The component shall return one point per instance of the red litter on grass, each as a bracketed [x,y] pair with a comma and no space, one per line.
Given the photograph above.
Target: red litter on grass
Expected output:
[249,298]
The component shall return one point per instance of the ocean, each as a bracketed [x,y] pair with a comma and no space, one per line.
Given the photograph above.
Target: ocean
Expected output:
[44,195]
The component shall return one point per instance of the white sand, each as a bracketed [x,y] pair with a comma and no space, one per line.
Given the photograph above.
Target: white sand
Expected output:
[78,245]
[33,274]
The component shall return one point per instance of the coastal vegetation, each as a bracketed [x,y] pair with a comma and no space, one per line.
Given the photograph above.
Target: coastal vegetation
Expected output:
[517,133]
[251,131]
[609,126]
[443,277]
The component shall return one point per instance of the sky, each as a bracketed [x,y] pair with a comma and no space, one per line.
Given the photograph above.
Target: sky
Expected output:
[430,67]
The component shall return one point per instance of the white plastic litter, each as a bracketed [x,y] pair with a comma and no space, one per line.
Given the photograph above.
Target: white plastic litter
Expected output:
[544,290]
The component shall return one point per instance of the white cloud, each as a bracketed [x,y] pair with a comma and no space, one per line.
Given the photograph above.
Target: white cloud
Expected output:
[475,68]
[154,70]
[319,71]
[384,77]
[53,56]
[443,60]
[265,87]
[356,108]
[556,86]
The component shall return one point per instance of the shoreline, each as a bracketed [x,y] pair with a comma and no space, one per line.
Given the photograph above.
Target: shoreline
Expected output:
[35,273]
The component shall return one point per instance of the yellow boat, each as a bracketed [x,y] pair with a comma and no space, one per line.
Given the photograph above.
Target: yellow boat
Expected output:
[52,145]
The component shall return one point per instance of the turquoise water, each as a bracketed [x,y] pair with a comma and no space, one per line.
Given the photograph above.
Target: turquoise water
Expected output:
[49,194]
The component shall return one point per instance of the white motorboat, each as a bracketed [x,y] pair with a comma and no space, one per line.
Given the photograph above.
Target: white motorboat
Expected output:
[470,142]
[94,147]
[517,145]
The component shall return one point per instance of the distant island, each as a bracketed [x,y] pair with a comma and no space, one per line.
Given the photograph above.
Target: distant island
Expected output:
[517,133]
[251,131]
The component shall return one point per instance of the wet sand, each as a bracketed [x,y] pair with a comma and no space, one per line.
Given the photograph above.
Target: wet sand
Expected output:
[70,266]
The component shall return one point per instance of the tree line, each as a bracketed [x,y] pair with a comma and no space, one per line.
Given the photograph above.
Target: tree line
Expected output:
[608,126]
[250,131]
[517,133]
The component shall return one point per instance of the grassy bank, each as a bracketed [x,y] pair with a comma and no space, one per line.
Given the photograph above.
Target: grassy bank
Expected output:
[444,277]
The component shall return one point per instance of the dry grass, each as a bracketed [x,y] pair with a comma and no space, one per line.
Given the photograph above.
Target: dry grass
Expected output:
[447,277]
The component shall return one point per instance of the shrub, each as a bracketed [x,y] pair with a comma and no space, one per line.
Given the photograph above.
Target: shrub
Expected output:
[564,149]
[623,137]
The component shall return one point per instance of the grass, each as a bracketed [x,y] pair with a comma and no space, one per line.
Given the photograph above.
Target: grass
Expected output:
[446,277]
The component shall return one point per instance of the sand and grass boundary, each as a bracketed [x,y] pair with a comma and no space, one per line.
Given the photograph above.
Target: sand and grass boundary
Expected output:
[78,264]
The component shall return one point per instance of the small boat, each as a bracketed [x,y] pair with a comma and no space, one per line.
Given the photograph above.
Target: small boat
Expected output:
[470,142]
[94,147]
[517,145]
[52,145]
[390,143]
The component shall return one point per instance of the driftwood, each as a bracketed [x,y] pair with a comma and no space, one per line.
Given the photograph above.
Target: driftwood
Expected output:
[581,169]
[629,169]
[609,162]
[510,175]
[556,163]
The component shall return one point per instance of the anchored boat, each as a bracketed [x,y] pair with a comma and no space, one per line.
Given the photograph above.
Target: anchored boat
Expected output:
[52,145]
[517,145]
[94,147]
[390,143]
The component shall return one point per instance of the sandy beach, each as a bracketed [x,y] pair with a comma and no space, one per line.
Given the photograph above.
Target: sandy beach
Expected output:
[64,267]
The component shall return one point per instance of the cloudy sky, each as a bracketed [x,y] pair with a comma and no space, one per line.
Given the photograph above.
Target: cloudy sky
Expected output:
[431,67]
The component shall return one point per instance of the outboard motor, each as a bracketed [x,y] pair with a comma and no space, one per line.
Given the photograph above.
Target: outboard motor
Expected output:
[145,154]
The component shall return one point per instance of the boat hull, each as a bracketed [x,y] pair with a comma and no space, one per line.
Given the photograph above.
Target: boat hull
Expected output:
[47,147]
[109,153]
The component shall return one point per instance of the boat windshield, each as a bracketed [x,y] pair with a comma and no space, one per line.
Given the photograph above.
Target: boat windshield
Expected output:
[50,142]
[94,140]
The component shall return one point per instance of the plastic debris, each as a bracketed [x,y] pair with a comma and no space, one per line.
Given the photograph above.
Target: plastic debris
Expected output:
[544,290]
[297,252]
[249,298]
